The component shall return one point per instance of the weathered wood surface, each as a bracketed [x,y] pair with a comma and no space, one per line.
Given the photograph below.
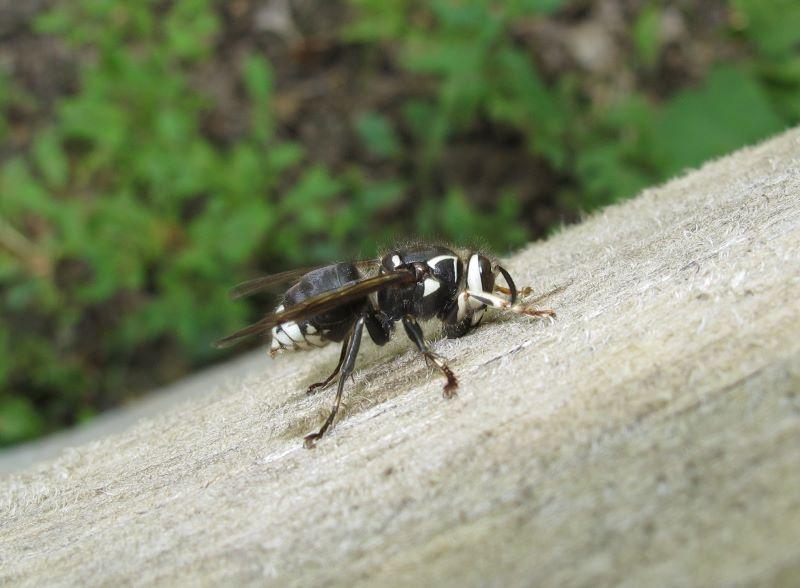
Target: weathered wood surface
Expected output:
[650,436]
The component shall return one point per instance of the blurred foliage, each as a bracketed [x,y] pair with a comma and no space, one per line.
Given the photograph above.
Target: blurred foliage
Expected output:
[122,223]
[606,151]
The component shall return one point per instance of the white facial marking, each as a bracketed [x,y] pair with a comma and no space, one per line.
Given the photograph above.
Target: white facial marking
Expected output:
[310,330]
[474,274]
[431,286]
[396,260]
[279,309]
[463,304]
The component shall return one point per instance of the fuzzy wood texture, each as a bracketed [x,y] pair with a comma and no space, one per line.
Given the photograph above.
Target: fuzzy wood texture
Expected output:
[649,436]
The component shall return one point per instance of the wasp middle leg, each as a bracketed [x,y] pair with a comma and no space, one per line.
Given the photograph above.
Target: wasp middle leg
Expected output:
[312,389]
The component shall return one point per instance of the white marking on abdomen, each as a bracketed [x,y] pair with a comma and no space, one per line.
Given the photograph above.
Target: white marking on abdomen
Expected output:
[290,335]
[293,331]
[282,338]
[315,340]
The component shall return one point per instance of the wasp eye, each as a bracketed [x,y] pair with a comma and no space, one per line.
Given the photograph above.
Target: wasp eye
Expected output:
[487,274]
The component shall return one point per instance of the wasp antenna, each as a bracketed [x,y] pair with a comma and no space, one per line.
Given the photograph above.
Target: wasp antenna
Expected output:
[511,285]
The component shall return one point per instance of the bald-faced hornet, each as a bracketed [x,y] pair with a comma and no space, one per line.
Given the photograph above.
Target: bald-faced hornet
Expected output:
[335,302]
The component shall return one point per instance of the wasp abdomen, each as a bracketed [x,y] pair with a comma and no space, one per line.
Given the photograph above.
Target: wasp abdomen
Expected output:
[325,327]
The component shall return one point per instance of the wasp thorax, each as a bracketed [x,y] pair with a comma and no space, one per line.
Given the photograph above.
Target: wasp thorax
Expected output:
[420,270]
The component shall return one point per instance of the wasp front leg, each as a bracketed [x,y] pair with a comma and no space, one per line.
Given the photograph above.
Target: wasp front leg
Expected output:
[525,291]
[493,301]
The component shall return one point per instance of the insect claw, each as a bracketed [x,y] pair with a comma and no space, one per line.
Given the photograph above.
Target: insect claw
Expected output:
[450,389]
[538,313]
[314,388]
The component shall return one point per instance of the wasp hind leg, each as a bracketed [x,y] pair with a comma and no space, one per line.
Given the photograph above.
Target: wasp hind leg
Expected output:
[414,333]
[350,351]
[313,388]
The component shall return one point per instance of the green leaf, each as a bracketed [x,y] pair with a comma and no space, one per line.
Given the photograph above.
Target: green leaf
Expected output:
[258,81]
[773,25]
[257,78]
[379,20]
[500,227]
[19,419]
[647,33]
[523,7]
[377,135]
[22,193]
[381,195]
[190,27]
[731,110]
[521,98]
[51,159]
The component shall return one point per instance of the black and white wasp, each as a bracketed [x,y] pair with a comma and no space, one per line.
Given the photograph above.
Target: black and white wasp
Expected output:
[335,302]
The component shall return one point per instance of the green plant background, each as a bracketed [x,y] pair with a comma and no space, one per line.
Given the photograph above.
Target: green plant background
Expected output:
[122,223]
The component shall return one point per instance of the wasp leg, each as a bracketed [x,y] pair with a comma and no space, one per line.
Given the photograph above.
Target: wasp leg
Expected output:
[351,345]
[525,291]
[414,333]
[497,302]
[312,389]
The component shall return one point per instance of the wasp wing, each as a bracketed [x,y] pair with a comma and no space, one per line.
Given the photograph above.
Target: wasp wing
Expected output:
[275,282]
[268,283]
[311,307]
